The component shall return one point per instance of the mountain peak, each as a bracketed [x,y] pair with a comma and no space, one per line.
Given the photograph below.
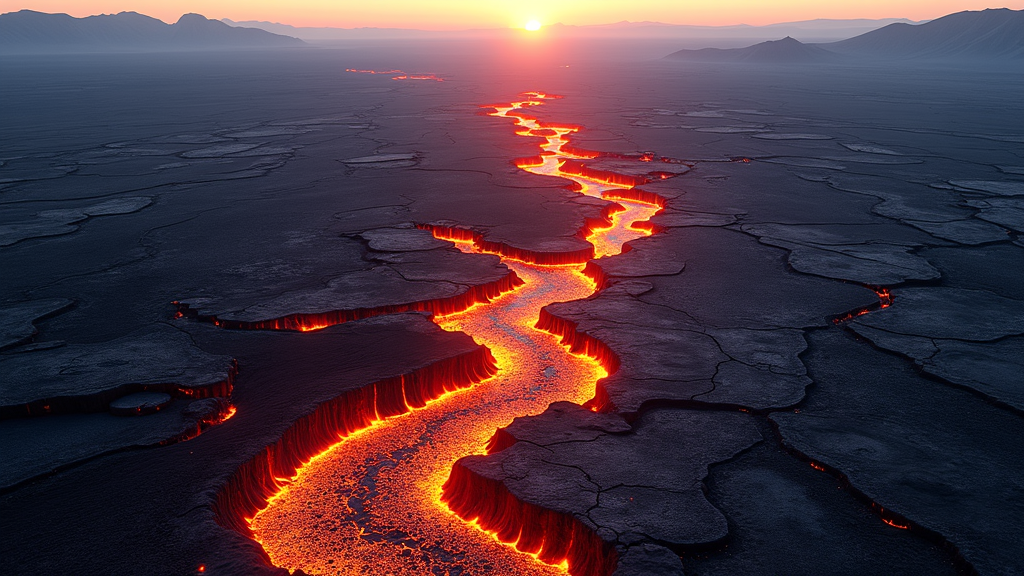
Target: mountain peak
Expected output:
[192,17]
[37,32]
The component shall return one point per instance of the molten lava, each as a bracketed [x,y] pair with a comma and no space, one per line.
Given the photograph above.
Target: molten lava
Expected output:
[373,502]
[398,74]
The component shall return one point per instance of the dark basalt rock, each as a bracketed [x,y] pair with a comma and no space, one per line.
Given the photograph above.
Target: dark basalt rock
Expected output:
[967,337]
[140,404]
[633,488]
[643,559]
[17,320]
[942,458]
[87,377]
[38,447]
[65,220]
[782,513]
[715,335]
[407,265]
[846,254]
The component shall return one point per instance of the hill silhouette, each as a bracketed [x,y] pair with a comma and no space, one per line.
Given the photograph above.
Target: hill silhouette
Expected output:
[990,35]
[773,51]
[30,31]
[993,33]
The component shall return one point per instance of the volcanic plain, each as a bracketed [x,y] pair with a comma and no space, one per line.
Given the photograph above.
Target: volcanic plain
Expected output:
[800,353]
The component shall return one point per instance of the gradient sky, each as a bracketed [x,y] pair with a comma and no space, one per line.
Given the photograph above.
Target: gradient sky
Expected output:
[462,14]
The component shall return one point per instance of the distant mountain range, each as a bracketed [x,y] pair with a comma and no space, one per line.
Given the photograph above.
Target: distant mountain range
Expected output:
[995,34]
[785,50]
[816,30]
[31,32]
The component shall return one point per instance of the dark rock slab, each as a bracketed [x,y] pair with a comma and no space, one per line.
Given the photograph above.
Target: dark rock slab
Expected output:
[719,335]
[994,187]
[996,369]
[940,457]
[643,559]
[87,377]
[638,487]
[845,253]
[994,268]
[1006,212]
[406,265]
[968,337]
[782,513]
[724,287]
[948,313]
[943,213]
[969,232]
[35,447]
[64,220]
[791,136]
[644,259]
[401,240]
[285,376]
[764,368]
[17,321]
[140,403]
[669,218]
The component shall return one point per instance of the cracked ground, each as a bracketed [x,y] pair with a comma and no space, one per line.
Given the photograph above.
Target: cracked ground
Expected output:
[767,404]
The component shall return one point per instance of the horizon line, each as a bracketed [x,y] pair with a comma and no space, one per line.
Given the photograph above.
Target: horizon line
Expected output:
[497,28]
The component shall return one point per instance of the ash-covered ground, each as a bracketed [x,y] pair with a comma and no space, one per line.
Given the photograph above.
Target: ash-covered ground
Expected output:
[821,349]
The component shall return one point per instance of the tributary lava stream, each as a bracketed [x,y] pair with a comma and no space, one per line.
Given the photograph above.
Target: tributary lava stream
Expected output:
[372,503]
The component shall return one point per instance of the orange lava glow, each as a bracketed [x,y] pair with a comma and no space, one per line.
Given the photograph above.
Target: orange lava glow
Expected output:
[372,501]
[227,415]
[398,74]
[894,520]
[895,524]
[885,299]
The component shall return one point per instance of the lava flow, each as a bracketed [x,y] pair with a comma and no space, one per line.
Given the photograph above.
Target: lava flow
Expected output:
[373,502]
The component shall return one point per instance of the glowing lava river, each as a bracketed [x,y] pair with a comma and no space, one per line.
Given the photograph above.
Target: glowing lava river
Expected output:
[374,502]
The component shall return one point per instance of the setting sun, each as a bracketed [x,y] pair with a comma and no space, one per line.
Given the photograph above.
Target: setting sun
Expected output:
[532,26]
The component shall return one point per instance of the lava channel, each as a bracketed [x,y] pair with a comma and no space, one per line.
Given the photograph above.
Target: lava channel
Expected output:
[374,504]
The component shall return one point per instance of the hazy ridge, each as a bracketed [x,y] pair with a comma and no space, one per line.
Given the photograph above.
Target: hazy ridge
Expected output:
[29,31]
[993,34]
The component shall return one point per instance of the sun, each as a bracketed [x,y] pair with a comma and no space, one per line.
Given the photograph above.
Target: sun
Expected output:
[532,26]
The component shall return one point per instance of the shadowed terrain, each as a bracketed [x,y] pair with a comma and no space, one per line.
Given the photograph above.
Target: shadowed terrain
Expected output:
[220,264]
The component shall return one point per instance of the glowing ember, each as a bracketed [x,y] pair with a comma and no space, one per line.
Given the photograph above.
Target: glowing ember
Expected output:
[372,503]
[398,74]
[885,299]
[895,524]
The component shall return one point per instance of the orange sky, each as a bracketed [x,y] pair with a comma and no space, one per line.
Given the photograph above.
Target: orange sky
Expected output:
[462,14]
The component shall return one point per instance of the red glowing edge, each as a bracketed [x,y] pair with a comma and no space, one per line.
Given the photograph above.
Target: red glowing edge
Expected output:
[253,483]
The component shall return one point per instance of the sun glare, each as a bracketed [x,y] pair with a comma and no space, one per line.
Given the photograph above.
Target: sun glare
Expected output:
[532,26]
